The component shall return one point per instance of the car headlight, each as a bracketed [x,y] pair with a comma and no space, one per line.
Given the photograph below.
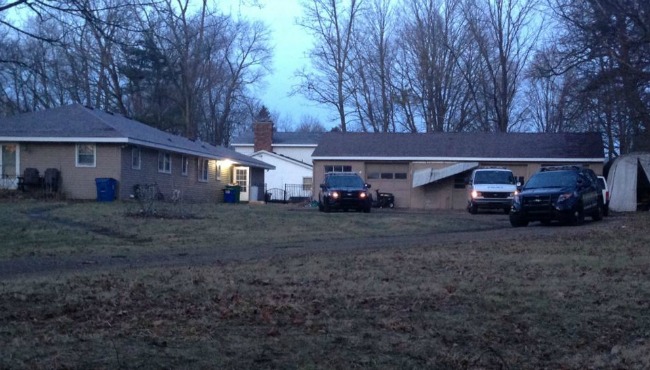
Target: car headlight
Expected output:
[476,194]
[335,194]
[363,195]
[564,197]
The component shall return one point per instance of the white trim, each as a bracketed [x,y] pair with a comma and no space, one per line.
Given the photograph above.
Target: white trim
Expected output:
[277,145]
[185,165]
[203,176]
[120,140]
[164,154]
[51,139]
[76,156]
[284,158]
[139,166]
[460,159]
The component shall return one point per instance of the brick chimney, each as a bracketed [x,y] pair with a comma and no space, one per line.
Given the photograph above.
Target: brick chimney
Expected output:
[263,131]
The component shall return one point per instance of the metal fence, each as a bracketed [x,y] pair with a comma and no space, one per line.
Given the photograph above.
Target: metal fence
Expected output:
[290,193]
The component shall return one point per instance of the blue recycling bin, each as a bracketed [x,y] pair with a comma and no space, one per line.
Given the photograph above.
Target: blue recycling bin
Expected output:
[229,196]
[105,189]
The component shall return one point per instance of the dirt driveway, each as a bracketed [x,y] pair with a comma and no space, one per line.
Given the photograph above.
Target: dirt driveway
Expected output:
[499,230]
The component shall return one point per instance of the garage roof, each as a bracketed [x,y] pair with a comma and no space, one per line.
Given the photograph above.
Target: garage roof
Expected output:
[464,146]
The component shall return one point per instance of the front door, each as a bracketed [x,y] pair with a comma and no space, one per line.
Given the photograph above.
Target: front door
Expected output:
[8,166]
[242,179]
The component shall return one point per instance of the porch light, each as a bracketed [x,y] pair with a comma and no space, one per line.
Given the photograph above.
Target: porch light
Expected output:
[225,163]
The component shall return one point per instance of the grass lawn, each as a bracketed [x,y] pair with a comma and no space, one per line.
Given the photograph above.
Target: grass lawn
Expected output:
[547,297]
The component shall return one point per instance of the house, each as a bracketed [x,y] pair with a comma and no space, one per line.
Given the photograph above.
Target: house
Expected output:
[84,144]
[289,152]
[428,171]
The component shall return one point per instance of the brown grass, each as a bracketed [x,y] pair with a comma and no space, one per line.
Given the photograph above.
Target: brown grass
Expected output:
[573,299]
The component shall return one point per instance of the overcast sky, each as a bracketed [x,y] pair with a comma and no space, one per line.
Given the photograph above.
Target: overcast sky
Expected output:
[291,44]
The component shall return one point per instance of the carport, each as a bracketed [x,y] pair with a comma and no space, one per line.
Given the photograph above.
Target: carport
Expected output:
[428,175]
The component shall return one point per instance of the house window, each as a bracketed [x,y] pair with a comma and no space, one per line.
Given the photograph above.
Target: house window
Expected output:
[373,175]
[136,160]
[387,175]
[86,155]
[338,168]
[203,169]
[307,183]
[164,162]
[218,174]
[184,165]
[400,175]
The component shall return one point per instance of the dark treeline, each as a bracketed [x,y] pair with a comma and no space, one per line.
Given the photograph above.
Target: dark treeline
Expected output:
[380,65]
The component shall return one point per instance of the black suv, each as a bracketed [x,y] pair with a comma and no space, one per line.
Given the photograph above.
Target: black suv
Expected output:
[566,194]
[344,190]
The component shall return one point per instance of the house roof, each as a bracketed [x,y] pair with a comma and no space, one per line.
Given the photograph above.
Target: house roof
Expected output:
[549,147]
[281,139]
[76,123]
[283,158]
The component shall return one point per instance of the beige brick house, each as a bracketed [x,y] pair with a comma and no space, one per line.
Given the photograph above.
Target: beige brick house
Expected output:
[84,144]
[428,171]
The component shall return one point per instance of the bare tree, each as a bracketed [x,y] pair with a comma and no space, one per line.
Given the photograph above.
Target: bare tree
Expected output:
[608,42]
[432,41]
[332,23]
[370,76]
[310,123]
[504,34]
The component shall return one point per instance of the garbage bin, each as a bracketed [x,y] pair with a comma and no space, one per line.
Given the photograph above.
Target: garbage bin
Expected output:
[228,196]
[235,190]
[105,189]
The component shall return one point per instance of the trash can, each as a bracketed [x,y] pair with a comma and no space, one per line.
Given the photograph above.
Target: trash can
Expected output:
[105,189]
[235,190]
[228,196]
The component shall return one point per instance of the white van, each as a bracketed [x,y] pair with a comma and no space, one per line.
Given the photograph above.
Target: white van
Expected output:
[490,188]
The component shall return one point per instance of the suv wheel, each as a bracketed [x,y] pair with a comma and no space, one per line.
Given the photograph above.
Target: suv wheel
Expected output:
[598,214]
[578,217]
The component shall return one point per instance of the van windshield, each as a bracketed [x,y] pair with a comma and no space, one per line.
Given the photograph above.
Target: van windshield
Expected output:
[494,177]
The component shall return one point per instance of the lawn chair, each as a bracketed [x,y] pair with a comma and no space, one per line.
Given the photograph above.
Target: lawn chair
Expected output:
[30,179]
[51,180]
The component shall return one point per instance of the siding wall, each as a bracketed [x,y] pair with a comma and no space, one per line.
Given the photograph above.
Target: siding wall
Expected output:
[192,190]
[76,182]
[286,172]
[114,161]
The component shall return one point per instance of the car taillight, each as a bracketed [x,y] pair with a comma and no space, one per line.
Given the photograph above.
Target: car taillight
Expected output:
[607,196]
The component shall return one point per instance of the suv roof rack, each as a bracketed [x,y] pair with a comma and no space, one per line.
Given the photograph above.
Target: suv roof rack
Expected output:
[564,167]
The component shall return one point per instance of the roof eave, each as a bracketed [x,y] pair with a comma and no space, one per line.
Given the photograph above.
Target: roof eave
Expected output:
[458,159]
